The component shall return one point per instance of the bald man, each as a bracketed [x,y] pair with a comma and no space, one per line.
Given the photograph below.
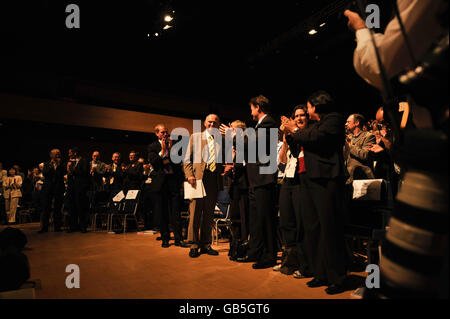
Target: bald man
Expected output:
[208,169]
[52,189]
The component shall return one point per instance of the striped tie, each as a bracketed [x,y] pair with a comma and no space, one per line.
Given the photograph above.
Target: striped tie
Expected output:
[212,155]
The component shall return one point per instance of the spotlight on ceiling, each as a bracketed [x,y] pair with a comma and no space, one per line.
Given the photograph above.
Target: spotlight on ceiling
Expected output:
[167,27]
[156,34]
[323,24]
[168,18]
[312,32]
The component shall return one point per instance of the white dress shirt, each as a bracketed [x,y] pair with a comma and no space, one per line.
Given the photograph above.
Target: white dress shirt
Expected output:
[422,28]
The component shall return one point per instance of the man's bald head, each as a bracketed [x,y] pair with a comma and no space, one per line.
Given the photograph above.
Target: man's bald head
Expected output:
[212,121]
[380,115]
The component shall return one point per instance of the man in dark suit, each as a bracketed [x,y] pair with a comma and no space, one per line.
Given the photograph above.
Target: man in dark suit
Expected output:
[209,170]
[323,186]
[133,173]
[78,176]
[172,176]
[262,190]
[52,189]
[114,174]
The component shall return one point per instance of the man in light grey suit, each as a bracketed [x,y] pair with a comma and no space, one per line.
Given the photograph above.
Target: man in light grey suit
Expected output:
[202,163]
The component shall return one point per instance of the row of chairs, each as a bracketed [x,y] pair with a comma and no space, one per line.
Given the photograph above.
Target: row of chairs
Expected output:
[119,207]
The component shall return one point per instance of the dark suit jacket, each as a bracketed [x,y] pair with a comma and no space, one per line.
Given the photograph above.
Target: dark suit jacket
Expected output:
[118,178]
[256,179]
[323,143]
[133,176]
[54,178]
[159,164]
[80,176]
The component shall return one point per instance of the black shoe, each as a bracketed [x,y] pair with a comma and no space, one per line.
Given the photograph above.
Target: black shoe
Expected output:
[263,265]
[69,231]
[335,289]
[193,253]
[84,230]
[246,259]
[182,244]
[165,244]
[43,230]
[316,283]
[158,238]
[209,251]
[58,230]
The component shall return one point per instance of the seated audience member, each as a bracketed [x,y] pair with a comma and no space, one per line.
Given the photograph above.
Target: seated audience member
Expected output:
[381,149]
[12,193]
[292,165]
[356,151]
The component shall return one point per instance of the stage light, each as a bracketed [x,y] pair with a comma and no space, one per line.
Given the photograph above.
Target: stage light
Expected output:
[148,35]
[168,18]
[322,24]
[312,32]
[167,27]
[156,34]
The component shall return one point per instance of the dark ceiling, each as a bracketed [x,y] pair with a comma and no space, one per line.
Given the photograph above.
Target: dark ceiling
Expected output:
[219,51]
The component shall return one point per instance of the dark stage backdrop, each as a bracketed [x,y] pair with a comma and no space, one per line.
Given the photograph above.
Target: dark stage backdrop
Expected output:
[28,143]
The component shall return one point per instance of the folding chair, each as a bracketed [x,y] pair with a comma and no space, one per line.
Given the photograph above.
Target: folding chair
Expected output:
[221,220]
[369,214]
[114,209]
[129,208]
[100,206]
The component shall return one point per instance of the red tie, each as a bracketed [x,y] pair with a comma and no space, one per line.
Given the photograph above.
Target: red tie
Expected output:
[301,162]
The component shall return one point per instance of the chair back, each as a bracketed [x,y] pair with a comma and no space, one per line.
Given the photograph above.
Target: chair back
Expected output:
[130,202]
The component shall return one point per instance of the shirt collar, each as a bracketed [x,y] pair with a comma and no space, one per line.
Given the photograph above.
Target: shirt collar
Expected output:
[355,136]
[261,119]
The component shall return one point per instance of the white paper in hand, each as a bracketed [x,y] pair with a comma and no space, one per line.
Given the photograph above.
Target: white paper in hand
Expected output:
[191,192]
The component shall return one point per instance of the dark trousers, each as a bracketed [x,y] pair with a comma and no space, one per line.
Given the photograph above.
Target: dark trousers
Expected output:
[202,213]
[151,208]
[291,222]
[78,207]
[324,227]
[263,223]
[239,213]
[170,213]
[49,195]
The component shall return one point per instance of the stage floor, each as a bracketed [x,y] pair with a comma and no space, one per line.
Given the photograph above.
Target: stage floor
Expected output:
[134,265]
